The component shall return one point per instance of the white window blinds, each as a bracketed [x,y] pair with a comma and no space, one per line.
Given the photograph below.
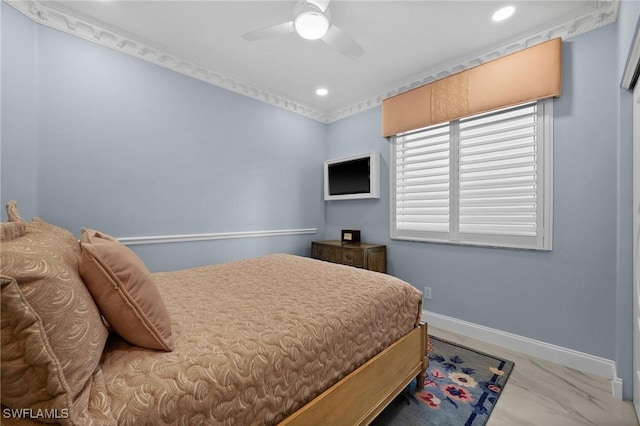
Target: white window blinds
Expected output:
[484,180]
[422,180]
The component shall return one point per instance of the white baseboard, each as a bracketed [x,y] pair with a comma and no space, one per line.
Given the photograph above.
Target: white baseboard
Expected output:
[568,357]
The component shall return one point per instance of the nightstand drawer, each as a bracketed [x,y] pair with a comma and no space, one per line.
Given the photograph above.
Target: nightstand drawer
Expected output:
[353,258]
[330,254]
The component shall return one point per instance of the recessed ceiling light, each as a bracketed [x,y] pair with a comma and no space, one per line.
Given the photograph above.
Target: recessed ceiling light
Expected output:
[322,91]
[504,13]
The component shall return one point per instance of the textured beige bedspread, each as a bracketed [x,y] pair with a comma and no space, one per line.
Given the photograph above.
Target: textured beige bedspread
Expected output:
[256,340]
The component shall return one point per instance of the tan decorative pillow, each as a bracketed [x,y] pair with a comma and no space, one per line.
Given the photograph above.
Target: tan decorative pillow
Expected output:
[15,227]
[11,230]
[124,290]
[31,374]
[13,213]
[52,332]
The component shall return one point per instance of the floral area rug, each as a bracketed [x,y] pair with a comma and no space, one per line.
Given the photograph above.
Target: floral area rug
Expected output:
[461,388]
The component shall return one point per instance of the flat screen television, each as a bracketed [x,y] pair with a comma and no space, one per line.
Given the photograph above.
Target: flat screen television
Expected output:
[352,177]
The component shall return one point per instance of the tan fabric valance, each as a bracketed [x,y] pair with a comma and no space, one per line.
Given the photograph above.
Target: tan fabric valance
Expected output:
[530,74]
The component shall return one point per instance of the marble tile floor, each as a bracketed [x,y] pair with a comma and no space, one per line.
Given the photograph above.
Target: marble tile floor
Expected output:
[540,392]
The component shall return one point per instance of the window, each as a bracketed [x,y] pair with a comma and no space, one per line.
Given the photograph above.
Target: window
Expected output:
[482,180]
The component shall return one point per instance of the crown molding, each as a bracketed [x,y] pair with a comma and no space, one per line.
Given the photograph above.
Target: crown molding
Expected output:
[605,12]
[83,28]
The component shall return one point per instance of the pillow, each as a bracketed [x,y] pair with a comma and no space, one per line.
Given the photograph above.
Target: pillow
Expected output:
[9,231]
[20,324]
[124,290]
[15,227]
[13,213]
[52,332]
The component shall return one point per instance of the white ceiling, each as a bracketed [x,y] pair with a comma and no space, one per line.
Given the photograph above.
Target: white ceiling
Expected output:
[405,42]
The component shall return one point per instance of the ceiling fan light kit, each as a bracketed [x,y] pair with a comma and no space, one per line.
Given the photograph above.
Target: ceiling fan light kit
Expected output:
[311,25]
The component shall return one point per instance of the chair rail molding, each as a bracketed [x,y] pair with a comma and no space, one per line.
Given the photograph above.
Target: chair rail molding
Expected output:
[54,16]
[163,239]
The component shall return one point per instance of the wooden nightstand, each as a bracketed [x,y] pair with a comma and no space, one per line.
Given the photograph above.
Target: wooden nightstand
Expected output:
[361,255]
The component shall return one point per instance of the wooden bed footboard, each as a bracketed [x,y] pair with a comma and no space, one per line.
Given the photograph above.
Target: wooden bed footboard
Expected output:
[359,397]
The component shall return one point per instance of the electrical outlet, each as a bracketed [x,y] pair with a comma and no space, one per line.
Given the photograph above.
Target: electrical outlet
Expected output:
[426,293]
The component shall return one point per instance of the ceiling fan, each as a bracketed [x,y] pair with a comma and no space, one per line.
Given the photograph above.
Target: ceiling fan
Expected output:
[312,22]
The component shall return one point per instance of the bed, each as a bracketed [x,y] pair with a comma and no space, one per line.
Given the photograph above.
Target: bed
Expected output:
[277,339]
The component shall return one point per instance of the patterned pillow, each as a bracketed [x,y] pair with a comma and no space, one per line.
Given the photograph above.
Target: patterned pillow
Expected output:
[123,288]
[15,227]
[52,332]
[9,231]
[13,213]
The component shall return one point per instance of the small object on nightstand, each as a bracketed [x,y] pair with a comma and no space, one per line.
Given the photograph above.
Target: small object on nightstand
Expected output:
[350,236]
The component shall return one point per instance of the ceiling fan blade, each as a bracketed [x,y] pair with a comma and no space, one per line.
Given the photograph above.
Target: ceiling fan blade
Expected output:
[320,4]
[342,42]
[274,30]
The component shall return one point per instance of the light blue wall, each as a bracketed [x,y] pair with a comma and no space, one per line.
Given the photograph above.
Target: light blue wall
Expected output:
[628,22]
[110,142]
[359,134]
[18,135]
[575,296]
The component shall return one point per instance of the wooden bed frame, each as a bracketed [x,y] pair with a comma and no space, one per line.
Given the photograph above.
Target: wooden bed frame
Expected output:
[359,397]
